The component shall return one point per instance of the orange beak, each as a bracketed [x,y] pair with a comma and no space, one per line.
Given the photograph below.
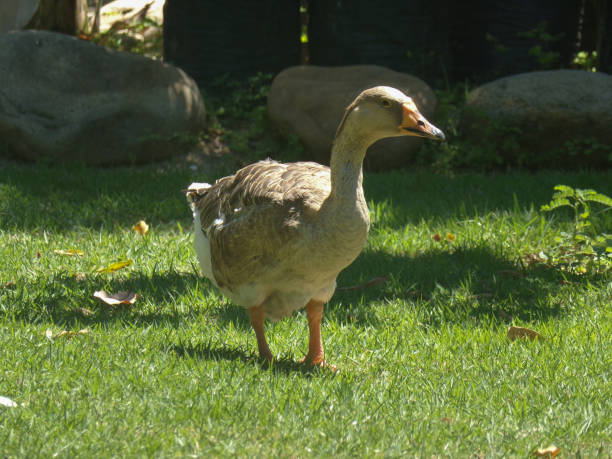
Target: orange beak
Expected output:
[415,124]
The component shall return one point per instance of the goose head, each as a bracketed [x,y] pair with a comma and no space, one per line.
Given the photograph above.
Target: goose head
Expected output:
[382,112]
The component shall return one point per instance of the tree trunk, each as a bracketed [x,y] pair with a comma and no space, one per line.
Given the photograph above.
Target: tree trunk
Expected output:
[65,16]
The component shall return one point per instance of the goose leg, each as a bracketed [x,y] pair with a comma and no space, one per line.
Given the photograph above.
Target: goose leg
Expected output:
[315,356]
[257,316]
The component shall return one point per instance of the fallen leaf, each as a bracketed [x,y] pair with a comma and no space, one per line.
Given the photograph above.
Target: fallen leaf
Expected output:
[38,255]
[141,227]
[114,267]
[85,312]
[69,253]
[515,333]
[79,277]
[436,237]
[9,285]
[65,333]
[370,283]
[448,420]
[116,299]
[551,451]
[534,258]
[7,402]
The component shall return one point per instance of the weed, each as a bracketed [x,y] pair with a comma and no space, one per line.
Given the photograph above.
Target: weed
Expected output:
[587,246]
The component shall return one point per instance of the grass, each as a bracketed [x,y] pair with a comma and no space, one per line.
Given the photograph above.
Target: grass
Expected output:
[424,365]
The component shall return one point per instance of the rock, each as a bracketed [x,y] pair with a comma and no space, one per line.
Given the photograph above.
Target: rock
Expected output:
[309,101]
[70,100]
[543,118]
[15,14]
[124,10]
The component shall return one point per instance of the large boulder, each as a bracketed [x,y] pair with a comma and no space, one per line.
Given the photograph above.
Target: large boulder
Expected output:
[553,118]
[70,100]
[309,101]
[66,16]
[15,14]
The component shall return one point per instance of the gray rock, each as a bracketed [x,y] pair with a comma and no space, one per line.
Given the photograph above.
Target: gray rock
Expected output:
[15,14]
[309,101]
[70,100]
[536,114]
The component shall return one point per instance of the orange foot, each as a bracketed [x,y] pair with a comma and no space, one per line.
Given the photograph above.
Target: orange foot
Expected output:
[315,356]
[318,361]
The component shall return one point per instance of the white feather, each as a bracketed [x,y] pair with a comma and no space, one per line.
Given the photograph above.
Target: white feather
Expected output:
[202,247]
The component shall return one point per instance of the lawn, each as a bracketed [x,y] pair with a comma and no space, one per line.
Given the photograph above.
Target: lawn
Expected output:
[424,365]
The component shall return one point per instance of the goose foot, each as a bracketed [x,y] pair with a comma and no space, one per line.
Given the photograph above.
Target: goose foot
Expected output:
[258,316]
[315,356]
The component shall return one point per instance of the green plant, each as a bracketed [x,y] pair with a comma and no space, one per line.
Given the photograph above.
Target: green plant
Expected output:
[586,246]
[544,56]
[586,60]
[139,36]
[238,98]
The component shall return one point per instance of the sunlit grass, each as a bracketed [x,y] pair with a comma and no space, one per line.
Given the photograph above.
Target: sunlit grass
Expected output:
[424,365]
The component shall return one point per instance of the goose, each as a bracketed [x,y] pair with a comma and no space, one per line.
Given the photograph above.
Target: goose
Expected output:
[273,237]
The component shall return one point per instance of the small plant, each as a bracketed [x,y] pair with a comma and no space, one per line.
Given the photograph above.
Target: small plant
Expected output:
[545,57]
[587,247]
[586,60]
[140,35]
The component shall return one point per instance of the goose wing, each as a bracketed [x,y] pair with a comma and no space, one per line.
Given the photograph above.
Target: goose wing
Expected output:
[258,219]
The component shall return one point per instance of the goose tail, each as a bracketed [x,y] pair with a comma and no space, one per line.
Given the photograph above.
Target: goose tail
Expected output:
[196,191]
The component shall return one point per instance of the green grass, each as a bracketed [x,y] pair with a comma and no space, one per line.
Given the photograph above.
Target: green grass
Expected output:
[424,365]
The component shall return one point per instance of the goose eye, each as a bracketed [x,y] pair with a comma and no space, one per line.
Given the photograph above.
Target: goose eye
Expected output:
[386,103]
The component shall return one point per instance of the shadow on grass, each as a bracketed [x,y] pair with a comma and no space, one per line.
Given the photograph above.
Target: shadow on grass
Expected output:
[62,197]
[207,351]
[442,286]
[64,299]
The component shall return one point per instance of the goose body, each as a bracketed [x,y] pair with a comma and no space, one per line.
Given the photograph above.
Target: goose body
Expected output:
[273,237]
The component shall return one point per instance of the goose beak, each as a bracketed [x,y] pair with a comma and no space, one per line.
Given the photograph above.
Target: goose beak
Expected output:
[415,124]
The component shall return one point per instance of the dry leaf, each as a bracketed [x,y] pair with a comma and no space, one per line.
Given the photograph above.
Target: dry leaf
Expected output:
[534,258]
[141,227]
[118,298]
[85,312]
[9,285]
[65,333]
[79,277]
[69,253]
[114,267]
[436,237]
[515,333]
[7,402]
[551,451]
